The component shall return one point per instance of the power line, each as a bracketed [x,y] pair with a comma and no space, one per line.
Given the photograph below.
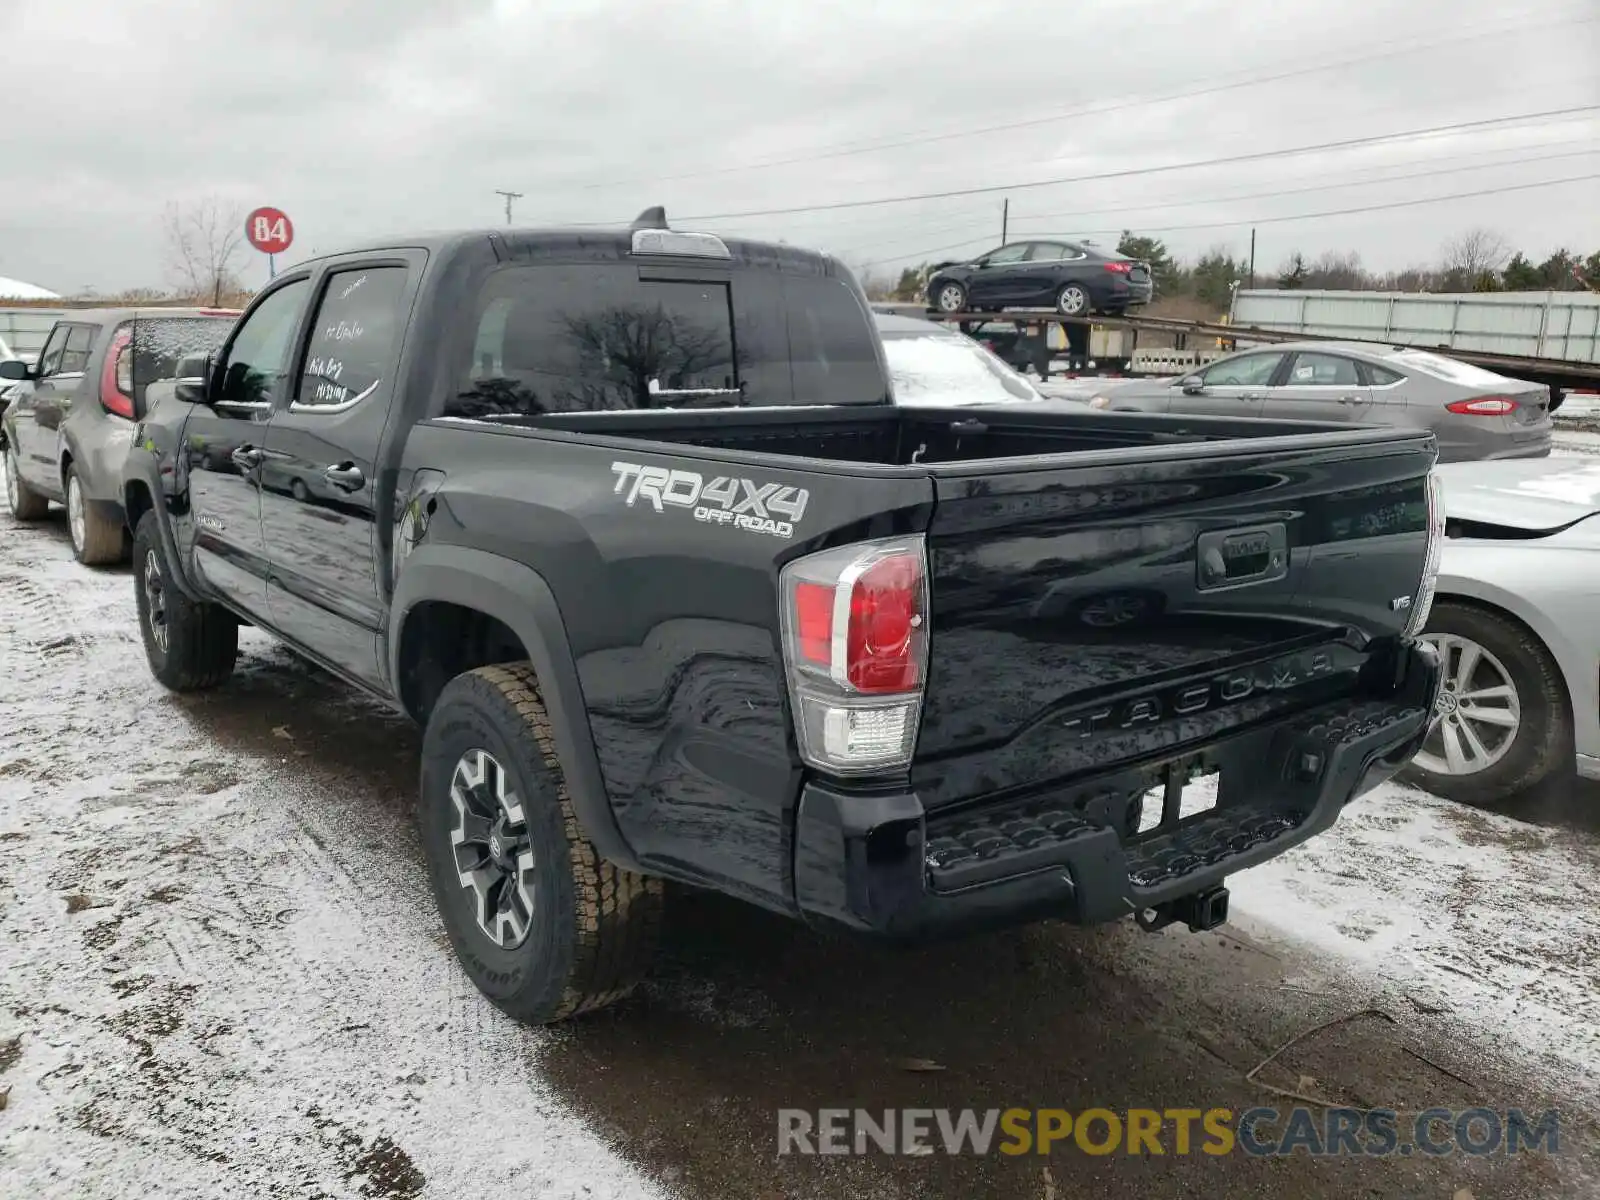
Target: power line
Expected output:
[1334,212]
[1226,160]
[1134,207]
[850,149]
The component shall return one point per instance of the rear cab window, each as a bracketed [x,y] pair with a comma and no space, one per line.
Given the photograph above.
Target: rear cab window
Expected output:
[615,337]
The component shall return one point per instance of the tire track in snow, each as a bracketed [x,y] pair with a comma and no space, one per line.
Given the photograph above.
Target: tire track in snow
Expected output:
[248,998]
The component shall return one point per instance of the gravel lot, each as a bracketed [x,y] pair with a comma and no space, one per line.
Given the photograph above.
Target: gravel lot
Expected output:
[221,962]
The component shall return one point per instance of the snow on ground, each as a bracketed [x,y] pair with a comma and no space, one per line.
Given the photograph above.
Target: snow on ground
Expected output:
[1575,443]
[227,981]
[1489,917]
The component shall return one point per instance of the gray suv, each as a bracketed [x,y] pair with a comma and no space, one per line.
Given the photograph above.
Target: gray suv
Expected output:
[66,435]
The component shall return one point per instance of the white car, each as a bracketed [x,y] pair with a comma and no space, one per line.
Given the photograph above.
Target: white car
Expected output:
[930,364]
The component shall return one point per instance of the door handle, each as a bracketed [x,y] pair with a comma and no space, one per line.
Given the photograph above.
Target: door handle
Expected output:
[247,458]
[346,476]
[1349,399]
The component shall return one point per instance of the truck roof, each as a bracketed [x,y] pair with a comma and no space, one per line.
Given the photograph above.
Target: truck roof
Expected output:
[595,244]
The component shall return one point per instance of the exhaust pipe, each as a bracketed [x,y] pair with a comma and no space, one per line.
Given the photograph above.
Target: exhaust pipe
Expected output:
[1200,911]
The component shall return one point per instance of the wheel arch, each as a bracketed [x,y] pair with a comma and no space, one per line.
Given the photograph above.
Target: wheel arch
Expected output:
[439,583]
[1497,602]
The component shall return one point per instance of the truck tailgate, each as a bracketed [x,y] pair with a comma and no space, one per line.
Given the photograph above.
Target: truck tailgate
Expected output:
[1118,608]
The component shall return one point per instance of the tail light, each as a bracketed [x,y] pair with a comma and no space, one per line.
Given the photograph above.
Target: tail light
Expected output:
[1484,406]
[855,630]
[1120,268]
[116,376]
[1422,603]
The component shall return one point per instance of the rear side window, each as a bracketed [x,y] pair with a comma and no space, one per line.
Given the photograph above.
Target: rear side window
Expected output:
[1382,376]
[598,338]
[1322,370]
[355,339]
[80,340]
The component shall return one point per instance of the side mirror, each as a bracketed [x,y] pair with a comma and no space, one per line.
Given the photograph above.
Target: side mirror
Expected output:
[14,369]
[1192,385]
[194,373]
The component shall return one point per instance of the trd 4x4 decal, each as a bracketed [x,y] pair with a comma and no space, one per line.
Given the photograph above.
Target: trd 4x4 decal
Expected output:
[769,508]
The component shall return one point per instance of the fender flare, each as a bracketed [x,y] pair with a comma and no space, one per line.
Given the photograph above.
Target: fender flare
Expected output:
[518,596]
[177,568]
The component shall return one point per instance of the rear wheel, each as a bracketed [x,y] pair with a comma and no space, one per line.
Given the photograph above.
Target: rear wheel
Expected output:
[1073,300]
[1501,724]
[542,924]
[25,503]
[95,538]
[190,645]
[950,297]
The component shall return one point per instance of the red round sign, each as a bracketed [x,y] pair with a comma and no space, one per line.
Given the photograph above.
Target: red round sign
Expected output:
[269,230]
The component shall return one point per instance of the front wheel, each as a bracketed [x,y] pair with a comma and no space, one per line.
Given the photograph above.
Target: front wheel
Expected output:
[190,645]
[950,297]
[1072,300]
[25,503]
[1502,723]
[542,925]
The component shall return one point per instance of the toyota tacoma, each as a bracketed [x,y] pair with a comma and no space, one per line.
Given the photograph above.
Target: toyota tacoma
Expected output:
[628,521]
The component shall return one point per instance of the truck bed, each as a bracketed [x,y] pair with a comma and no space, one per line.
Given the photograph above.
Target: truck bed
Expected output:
[1108,593]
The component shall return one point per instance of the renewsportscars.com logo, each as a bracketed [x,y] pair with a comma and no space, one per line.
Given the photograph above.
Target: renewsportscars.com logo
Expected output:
[769,508]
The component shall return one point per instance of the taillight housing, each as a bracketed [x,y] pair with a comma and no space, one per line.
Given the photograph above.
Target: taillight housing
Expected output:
[1120,268]
[1484,406]
[1422,602]
[855,644]
[116,376]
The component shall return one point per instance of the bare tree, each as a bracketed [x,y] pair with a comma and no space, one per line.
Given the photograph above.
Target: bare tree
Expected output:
[201,240]
[1473,260]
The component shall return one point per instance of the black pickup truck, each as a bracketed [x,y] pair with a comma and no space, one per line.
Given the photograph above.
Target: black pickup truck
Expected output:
[629,522]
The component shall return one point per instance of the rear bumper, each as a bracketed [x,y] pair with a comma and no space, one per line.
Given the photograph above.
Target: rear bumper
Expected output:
[1588,766]
[879,864]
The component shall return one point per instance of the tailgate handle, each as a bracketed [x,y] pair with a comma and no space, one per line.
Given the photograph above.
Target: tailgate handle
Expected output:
[1230,557]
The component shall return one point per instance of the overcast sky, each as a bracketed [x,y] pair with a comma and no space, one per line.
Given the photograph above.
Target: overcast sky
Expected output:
[364,117]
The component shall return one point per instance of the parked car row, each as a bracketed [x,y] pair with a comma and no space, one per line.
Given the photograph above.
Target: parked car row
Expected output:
[69,418]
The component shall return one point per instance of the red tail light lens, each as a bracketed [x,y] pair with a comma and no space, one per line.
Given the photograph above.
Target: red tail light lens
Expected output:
[882,647]
[856,644]
[1484,406]
[116,376]
[1120,268]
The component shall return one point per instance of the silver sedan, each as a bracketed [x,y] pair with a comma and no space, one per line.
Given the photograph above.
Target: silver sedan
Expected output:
[1514,622]
[1474,414]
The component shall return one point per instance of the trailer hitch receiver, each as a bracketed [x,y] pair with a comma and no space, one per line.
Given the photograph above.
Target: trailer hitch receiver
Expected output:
[1198,910]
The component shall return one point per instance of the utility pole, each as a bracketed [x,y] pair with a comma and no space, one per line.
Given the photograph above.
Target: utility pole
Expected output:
[510,196]
[1252,257]
[1005,218]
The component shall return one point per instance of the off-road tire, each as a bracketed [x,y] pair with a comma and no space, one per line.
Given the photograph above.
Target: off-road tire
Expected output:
[1544,741]
[595,926]
[202,638]
[103,540]
[25,503]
